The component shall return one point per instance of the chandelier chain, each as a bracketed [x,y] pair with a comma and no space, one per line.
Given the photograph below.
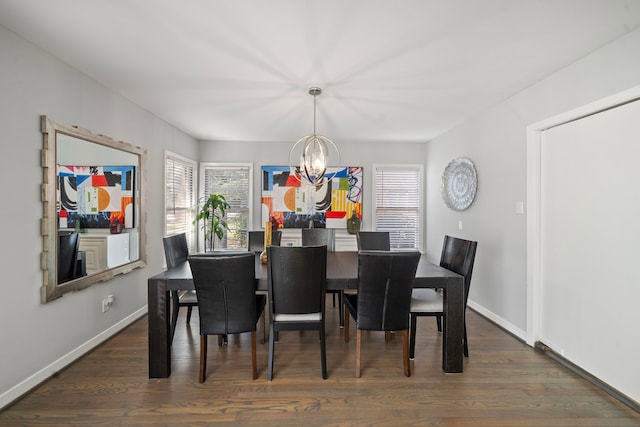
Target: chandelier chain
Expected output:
[314,114]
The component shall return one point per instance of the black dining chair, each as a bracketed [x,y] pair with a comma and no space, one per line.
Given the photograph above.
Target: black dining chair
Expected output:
[297,285]
[256,240]
[319,237]
[227,300]
[225,253]
[68,244]
[458,255]
[323,237]
[176,251]
[373,241]
[385,280]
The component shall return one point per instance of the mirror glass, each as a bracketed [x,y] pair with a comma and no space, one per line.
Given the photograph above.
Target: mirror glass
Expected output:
[92,226]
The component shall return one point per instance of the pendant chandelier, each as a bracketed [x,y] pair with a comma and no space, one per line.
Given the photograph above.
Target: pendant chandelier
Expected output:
[314,157]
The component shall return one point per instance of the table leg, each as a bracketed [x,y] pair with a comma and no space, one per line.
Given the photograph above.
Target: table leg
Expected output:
[453,333]
[159,329]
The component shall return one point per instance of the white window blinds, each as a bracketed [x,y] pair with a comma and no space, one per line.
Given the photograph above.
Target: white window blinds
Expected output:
[234,183]
[180,197]
[397,204]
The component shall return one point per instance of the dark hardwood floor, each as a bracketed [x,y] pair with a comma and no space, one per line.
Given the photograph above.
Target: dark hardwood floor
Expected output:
[505,383]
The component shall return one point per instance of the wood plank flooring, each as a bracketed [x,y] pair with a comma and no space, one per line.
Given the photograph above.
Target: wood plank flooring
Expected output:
[505,383]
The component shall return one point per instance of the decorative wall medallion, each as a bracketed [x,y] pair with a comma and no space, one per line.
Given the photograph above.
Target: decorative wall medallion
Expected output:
[459,184]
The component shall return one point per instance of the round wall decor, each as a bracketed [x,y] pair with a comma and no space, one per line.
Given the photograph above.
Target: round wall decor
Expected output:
[459,184]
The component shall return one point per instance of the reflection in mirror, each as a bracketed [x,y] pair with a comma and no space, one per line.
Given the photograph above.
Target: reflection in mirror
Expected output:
[92,226]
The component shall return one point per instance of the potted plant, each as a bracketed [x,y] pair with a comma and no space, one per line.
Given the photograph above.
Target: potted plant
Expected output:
[212,215]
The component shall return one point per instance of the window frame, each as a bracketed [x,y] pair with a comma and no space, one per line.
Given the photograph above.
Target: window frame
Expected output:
[204,166]
[420,191]
[190,229]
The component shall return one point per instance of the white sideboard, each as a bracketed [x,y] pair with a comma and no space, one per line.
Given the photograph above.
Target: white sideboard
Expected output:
[343,240]
[103,251]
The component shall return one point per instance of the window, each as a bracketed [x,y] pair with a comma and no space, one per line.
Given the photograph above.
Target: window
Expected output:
[179,197]
[233,181]
[398,204]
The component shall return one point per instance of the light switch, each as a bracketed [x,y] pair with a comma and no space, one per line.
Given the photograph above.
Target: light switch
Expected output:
[519,208]
[459,225]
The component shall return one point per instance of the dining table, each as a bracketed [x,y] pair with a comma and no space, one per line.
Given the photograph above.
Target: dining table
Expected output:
[342,274]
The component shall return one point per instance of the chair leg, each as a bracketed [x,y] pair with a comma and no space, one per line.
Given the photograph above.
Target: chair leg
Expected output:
[439,323]
[254,358]
[264,327]
[466,345]
[387,336]
[333,295]
[358,341]
[189,313]
[346,324]
[323,352]
[405,353]
[174,312]
[271,355]
[340,304]
[203,357]
[412,342]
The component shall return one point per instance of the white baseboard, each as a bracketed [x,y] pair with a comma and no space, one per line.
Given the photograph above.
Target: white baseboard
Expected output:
[45,373]
[509,327]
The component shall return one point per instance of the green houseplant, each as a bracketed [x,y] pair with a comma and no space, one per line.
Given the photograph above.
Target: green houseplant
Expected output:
[212,214]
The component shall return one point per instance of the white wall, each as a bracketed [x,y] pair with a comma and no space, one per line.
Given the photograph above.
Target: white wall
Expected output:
[277,153]
[495,140]
[39,339]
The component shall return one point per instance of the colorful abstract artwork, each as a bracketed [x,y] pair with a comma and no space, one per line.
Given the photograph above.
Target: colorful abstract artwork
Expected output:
[95,196]
[294,202]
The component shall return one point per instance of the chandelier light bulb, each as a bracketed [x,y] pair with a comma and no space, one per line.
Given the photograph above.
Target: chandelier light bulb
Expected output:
[315,158]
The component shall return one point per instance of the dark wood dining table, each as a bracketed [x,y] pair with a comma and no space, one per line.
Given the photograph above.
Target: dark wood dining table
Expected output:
[342,273]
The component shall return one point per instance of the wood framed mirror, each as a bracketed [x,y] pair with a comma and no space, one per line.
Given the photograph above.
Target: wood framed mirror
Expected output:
[93,217]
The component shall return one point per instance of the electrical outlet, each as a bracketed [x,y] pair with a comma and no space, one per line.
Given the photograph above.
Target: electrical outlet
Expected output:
[105,305]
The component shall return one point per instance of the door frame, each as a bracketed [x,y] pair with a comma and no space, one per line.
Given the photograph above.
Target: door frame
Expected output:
[534,168]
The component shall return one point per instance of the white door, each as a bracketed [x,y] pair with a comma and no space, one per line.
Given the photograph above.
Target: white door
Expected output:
[589,287]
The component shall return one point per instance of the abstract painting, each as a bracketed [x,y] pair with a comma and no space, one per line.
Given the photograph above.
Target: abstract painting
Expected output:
[95,196]
[296,203]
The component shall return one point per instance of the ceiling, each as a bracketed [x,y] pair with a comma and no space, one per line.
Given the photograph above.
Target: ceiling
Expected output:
[390,70]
